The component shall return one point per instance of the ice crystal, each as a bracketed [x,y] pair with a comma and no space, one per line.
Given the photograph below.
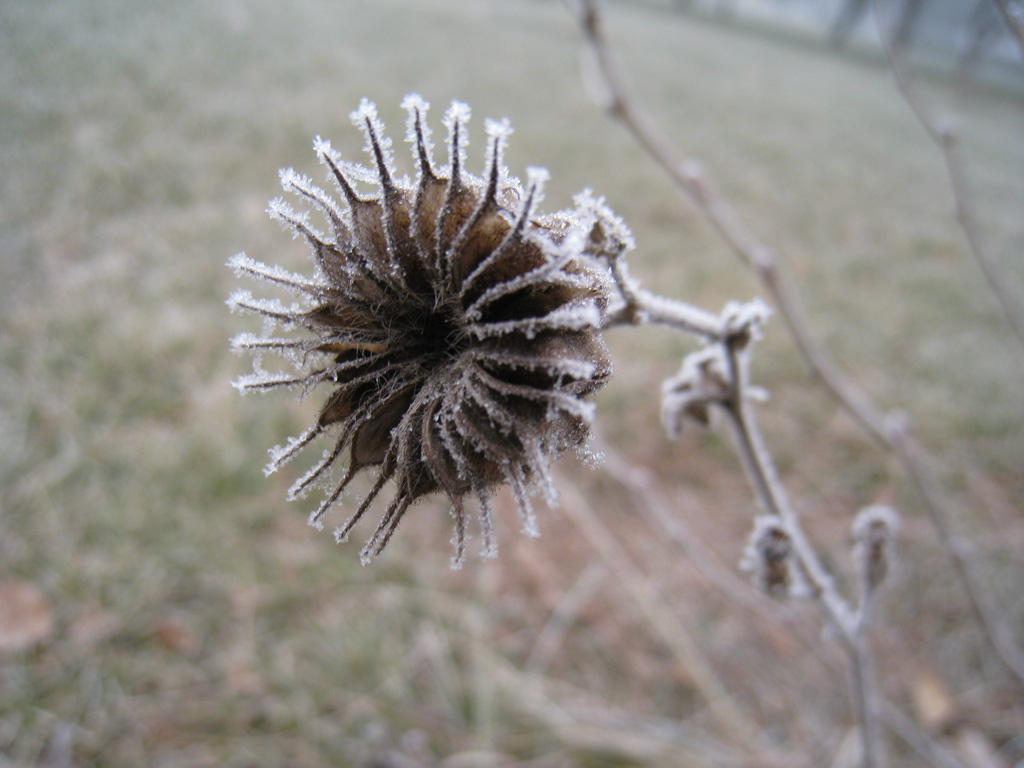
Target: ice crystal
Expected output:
[453,327]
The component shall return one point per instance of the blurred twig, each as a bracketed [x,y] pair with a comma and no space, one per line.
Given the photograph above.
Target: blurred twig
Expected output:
[946,136]
[672,631]
[562,618]
[1011,13]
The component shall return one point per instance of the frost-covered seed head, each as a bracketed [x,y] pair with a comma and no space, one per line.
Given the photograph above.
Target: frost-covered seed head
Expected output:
[453,328]
[705,378]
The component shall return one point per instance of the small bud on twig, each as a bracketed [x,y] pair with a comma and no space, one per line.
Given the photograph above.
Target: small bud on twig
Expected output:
[873,528]
[769,556]
[704,378]
[688,396]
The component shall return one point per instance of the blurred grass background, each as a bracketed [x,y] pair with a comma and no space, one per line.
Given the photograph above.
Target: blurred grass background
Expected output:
[191,617]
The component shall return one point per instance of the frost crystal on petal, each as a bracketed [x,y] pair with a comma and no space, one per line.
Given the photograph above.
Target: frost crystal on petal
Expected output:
[452,329]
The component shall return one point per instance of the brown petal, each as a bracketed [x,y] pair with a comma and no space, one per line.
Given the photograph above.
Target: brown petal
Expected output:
[456,210]
[427,209]
[339,406]
[479,240]
[373,438]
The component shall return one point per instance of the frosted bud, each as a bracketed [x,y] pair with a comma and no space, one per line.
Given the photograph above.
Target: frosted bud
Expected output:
[744,320]
[873,529]
[608,236]
[688,396]
[769,557]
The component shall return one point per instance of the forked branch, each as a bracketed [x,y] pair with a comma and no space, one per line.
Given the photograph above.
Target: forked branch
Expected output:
[689,177]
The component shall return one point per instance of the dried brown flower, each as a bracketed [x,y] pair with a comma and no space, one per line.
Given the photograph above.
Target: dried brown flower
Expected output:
[456,329]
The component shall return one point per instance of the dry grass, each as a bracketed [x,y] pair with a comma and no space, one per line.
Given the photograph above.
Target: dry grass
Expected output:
[198,621]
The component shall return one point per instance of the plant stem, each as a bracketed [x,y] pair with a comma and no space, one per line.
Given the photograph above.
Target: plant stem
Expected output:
[764,480]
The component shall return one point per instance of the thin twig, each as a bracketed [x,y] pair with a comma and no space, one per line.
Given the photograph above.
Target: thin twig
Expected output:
[768,489]
[995,632]
[642,307]
[672,631]
[863,686]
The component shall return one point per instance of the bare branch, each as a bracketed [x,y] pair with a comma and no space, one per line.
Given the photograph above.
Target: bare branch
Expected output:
[849,626]
[690,179]
[643,308]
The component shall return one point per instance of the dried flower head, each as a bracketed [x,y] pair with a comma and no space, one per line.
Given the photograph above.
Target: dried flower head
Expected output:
[455,327]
